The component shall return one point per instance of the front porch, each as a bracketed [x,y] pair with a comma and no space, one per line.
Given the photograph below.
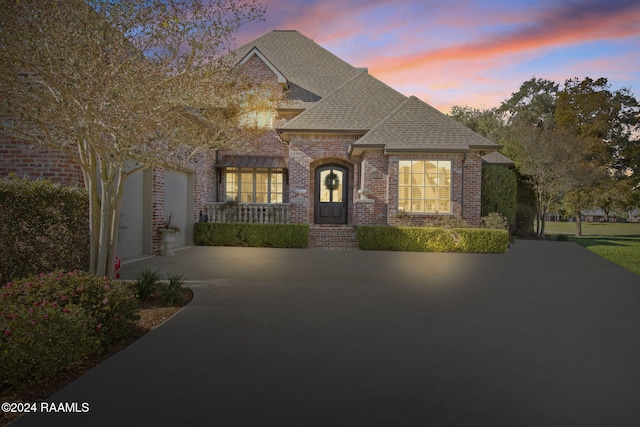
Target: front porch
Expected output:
[247,213]
[321,236]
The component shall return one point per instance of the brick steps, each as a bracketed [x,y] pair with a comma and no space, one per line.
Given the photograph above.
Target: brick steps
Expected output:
[338,237]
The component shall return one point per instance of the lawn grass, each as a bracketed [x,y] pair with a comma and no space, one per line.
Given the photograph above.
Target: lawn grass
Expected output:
[617,242]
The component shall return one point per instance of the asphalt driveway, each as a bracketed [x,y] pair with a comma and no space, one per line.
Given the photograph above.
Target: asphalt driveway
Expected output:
[547,334]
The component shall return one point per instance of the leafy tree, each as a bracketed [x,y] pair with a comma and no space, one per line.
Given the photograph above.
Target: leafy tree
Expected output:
[488,122]
[120,86]
[616,195]
[608,120]
[551,160]
[534,104]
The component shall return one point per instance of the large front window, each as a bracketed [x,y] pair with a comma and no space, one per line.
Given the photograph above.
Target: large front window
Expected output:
[254,185]
[424,186]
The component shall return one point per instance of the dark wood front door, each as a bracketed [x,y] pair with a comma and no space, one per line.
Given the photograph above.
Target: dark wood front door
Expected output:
[331,195]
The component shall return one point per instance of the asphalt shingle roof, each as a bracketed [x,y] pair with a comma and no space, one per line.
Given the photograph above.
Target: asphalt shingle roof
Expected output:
[314,71]
[415,125]
[336,96]
[357,105]
[497,158]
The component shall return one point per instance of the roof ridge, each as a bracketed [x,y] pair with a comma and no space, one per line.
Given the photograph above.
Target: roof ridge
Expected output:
[315,105]
[386,118]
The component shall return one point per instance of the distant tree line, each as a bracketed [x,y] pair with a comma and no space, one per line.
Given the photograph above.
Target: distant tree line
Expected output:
[576,146]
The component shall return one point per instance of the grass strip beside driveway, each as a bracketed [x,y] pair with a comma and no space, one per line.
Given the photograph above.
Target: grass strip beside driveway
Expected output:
[624,251]
[617,242]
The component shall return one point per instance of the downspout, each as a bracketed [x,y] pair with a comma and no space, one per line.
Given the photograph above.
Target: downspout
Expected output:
[464,160]
[217,177]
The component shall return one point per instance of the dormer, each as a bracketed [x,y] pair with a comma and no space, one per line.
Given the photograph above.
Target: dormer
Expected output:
[282,80]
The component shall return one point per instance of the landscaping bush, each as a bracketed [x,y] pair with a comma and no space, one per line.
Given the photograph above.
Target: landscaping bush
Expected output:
[172,291]
[42,341]
[499,192]
[51,321]
[255,235]
[525,219]
[43,227]
[146,283]
[495,220]
[426,239]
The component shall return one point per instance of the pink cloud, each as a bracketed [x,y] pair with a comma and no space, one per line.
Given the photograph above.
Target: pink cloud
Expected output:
[465,52]
[553,28]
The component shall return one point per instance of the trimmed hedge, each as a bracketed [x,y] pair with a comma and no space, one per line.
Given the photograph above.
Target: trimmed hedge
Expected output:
[427,239]
[254,235]
[43,227]
[499,192]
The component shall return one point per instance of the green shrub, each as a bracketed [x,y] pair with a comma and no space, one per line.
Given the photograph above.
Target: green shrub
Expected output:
[146,283]
[499,192]
[255,235]
[50,321]
[172,291]
[426,239]
[43,227]
[42,341]
[525,219]
[495,220]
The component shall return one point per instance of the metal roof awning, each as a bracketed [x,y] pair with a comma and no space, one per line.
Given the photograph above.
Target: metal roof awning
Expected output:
[266,162]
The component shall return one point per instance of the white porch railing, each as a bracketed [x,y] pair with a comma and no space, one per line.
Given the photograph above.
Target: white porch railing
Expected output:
[251,213]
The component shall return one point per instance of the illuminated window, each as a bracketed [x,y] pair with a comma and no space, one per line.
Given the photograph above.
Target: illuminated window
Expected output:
[261,119]
[254,185]
[424,186]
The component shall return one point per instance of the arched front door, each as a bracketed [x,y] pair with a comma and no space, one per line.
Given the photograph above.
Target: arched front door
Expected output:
[331,195]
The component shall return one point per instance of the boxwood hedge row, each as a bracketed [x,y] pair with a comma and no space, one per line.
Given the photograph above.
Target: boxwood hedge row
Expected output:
[427,239]
[255,235]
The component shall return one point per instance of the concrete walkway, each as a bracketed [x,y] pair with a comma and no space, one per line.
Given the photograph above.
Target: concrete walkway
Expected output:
[547,334]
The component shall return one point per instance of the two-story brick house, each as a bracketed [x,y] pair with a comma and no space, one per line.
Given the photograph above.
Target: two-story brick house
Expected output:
[344,150]
[347,149]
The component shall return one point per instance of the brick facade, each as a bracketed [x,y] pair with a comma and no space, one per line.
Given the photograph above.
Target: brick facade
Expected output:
[373,171]
[306,153]
[26,159]
[379,178]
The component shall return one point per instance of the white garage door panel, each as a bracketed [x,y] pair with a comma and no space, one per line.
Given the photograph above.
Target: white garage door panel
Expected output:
[176,201]
[130,234]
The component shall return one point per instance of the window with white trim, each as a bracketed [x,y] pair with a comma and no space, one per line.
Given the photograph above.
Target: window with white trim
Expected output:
[424,186]
[254,185]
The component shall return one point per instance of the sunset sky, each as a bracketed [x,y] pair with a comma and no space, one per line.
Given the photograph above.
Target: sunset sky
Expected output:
[464,52]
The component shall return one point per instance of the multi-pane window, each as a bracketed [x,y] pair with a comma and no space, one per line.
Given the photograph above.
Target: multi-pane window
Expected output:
[424,186]
[261,119]
[254,185]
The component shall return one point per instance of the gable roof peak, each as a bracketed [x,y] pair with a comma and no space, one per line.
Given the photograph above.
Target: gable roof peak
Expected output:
[356,105]
[415,126]
[304,63]
[256,52]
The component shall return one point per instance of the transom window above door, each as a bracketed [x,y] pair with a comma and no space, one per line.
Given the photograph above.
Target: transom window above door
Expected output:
[424,186]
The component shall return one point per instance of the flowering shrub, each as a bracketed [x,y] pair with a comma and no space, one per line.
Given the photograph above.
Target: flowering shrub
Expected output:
[51,321]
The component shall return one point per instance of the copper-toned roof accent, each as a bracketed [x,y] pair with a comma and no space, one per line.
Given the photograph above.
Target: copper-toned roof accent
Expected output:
[268,162]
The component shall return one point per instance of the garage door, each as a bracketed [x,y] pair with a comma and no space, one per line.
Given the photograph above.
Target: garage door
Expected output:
[176,201]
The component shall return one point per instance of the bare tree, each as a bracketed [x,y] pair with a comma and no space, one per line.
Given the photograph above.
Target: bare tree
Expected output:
[116,83]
